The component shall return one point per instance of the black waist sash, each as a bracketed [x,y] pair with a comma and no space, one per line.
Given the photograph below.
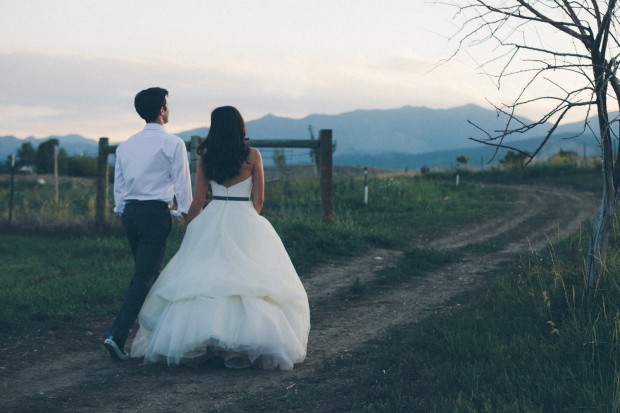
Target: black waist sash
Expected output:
[230,198]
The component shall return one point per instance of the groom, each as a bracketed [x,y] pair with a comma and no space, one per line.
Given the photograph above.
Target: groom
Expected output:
[151,170]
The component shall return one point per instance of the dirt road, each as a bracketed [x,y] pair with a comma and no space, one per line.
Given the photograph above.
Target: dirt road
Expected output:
[46,372]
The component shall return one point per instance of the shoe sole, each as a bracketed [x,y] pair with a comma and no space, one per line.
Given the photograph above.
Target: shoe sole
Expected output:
[112,349]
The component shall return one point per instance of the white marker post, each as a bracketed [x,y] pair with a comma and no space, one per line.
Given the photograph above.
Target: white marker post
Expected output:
[365,185]
[56,174]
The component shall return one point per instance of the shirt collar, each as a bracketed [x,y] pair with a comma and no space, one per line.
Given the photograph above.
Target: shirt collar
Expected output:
[153,126]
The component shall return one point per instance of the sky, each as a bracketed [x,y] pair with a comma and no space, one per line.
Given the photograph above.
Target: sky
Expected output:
[75,66]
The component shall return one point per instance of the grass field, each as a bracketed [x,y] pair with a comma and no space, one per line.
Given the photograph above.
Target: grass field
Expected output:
[529,342]
[55,272]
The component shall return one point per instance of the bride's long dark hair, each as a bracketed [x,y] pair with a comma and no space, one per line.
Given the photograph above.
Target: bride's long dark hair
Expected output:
[224,150]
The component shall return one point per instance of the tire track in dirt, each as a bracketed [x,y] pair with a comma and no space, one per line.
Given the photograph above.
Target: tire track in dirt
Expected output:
[565,210]
[45,373]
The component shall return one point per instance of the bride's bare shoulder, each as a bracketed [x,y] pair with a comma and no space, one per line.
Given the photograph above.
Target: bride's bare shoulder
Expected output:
[254,155]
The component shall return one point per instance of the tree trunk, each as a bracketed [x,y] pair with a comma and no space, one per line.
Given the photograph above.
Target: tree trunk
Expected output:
[597,255]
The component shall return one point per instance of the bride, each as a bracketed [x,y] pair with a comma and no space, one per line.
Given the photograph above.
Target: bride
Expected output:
[231,289]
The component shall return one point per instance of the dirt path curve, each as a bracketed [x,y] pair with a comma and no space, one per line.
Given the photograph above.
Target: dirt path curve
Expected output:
[46,373]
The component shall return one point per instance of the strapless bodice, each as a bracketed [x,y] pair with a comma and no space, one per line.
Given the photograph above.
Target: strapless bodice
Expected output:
[240,189]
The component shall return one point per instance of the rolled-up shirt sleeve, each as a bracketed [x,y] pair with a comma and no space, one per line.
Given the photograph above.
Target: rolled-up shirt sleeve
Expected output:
[181,178]
[120,188]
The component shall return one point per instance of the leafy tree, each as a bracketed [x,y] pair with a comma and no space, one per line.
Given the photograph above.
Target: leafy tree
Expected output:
[514,159]
[564,158]
[83,166]
[26,154]
[565,54]
[462,160]
[63,162]
[45,156]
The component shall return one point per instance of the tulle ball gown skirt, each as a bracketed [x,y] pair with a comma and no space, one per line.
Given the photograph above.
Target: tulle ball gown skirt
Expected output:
[230,290]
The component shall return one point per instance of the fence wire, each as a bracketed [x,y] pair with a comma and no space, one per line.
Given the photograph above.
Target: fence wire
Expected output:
[292,186]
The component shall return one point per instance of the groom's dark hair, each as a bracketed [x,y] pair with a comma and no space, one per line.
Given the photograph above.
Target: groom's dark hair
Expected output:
[149,101]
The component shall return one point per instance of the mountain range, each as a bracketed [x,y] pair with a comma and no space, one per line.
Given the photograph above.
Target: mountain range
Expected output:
[407,137]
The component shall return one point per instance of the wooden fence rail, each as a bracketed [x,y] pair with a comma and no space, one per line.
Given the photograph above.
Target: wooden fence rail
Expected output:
[323,147]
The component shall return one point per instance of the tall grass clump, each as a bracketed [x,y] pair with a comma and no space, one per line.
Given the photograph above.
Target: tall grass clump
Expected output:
[577,321]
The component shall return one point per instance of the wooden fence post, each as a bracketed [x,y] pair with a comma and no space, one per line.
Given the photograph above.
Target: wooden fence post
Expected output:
[103,169]
[325,151]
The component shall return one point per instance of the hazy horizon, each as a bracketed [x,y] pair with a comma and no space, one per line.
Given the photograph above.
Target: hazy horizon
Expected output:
[76,68]
[174,131]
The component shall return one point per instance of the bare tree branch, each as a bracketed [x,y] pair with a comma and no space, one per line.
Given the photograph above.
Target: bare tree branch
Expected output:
[511,26]
[571,12]
[597,13]
[550,52]
[565,27]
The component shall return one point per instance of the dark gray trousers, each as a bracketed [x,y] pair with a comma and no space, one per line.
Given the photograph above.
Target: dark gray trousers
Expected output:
[147,225]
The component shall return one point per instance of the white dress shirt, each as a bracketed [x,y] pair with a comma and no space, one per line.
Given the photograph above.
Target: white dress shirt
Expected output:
[152,165]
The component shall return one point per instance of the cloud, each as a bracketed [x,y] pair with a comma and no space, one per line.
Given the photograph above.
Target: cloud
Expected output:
[45,94]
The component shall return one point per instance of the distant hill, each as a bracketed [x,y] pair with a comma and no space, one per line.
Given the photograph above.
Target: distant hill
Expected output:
[73,144]
[408,130]
[408,137]
[479,156]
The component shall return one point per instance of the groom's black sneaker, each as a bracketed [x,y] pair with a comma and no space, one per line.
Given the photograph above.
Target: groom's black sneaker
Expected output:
[115,351]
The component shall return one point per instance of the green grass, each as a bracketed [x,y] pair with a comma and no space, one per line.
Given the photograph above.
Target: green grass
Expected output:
[529,341]
[59,280]
[586,178]
[416,262]
[524,343]
[413,208]
[34,202]
[55,273]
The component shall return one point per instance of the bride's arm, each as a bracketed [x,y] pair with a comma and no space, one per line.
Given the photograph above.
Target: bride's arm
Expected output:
[258,180]
[200,195]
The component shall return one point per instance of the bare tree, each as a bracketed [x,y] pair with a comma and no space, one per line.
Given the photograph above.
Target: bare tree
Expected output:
[566,54]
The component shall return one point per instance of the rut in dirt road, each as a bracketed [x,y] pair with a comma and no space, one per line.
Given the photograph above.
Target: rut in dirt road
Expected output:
[79,377]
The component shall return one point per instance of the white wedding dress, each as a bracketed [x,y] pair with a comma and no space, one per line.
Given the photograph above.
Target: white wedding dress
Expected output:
[230,290]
